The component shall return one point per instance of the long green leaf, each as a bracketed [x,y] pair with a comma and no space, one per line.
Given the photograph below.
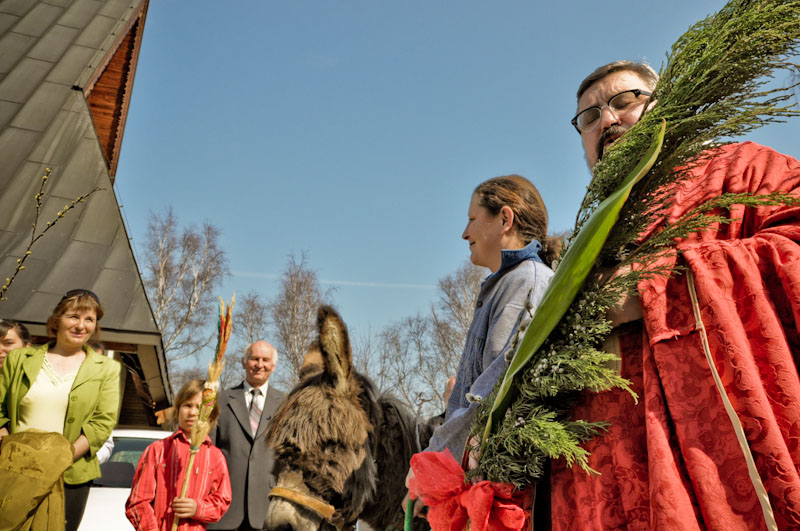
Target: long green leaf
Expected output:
[569,278]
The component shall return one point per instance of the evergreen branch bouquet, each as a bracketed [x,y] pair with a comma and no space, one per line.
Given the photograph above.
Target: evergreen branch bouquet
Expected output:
[713,88]
[202,426]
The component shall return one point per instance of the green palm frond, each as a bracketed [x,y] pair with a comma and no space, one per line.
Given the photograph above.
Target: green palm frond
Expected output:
[572,271]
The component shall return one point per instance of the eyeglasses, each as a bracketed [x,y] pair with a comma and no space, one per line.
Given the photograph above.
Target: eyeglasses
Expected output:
[621,104]
[79,292]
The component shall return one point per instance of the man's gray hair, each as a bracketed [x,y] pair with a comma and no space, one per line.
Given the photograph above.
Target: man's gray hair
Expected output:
[642,69]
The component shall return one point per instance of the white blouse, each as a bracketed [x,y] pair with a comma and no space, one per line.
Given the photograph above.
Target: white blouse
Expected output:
[44,407]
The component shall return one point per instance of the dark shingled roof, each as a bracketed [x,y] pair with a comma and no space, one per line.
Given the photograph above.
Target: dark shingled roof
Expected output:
[56,57]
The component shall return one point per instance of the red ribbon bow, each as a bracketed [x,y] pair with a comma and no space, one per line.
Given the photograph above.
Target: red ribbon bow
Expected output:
[439,481]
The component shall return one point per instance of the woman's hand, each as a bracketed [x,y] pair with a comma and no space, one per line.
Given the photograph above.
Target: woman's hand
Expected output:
[184,507]
[473,457]
[419,507]
[81,446]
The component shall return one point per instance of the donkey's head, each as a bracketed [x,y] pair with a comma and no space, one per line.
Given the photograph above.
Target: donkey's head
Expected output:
[321,437]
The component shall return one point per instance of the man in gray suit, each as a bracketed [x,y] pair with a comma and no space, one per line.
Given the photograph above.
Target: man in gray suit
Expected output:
[245,411]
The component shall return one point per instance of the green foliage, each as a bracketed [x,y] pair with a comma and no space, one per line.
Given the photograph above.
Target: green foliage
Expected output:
[536,426]
[575,266]
[711,90]
[532,435]
[704,218]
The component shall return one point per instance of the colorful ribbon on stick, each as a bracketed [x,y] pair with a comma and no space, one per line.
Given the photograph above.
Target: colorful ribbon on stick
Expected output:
[201,427]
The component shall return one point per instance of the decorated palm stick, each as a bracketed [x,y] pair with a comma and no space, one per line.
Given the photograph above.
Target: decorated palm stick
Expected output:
[202,426]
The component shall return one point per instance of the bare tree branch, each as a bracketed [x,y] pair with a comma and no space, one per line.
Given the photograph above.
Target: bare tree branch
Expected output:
[293,312]
[414,358]
[178,377]
[363,352]
[37,204]
[250,324]
[251,320]
[452,314]
[183,268]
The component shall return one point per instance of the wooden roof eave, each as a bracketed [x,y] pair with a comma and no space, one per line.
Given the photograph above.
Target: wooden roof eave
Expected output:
[87,82]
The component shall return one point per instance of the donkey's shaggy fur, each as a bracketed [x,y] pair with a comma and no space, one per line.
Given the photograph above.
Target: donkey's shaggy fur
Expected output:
[322,431]
[336,439]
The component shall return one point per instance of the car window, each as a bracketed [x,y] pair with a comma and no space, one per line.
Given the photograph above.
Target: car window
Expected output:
[119,470]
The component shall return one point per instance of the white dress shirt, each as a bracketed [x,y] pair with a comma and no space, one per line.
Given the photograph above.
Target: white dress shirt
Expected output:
[248,395]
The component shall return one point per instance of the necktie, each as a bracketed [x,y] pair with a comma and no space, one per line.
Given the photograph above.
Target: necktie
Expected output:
[255,411]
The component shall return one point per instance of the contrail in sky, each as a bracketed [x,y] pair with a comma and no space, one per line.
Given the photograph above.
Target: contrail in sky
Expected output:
[389,285]
[377,284]
[250,274]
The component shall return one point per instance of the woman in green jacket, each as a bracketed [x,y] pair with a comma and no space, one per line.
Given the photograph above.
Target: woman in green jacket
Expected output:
[65,387]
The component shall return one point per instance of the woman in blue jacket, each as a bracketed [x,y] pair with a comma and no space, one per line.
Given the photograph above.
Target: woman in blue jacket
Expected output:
[507,233]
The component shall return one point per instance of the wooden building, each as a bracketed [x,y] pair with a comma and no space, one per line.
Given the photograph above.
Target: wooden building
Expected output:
[66,75]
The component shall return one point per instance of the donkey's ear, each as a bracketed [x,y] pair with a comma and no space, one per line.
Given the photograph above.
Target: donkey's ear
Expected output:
[335,348]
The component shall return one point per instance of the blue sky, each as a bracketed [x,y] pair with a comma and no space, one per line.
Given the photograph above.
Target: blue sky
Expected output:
[356,130]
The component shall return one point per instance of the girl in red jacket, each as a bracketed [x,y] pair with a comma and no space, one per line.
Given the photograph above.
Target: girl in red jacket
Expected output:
[155,495]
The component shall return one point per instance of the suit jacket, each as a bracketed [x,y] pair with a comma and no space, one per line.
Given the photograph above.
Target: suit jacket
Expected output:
[93,402]
[249,459]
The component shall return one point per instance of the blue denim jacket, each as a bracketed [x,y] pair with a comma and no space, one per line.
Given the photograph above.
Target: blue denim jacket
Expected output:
[522,277]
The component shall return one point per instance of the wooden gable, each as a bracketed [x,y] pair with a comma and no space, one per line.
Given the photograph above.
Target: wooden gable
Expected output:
[108,93]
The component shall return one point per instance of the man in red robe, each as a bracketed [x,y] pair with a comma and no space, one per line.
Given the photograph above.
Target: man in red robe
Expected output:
[714,440]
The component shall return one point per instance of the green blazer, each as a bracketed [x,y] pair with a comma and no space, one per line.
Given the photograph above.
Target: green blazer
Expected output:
[93,402]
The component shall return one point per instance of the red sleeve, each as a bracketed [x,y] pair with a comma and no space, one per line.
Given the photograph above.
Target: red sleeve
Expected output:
[763,241]
[214,504]
[747,278]
[139,506]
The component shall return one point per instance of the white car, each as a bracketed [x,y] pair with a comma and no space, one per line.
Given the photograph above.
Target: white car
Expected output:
[105,509]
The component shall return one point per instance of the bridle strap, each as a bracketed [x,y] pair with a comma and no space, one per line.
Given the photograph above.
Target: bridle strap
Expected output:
[325,510]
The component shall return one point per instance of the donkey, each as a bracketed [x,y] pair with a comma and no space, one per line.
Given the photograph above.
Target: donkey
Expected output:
[341,449]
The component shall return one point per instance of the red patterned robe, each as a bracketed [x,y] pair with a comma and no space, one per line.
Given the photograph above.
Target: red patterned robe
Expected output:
[672,461]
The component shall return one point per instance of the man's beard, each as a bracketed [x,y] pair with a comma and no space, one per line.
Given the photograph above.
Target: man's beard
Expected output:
[614,130]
